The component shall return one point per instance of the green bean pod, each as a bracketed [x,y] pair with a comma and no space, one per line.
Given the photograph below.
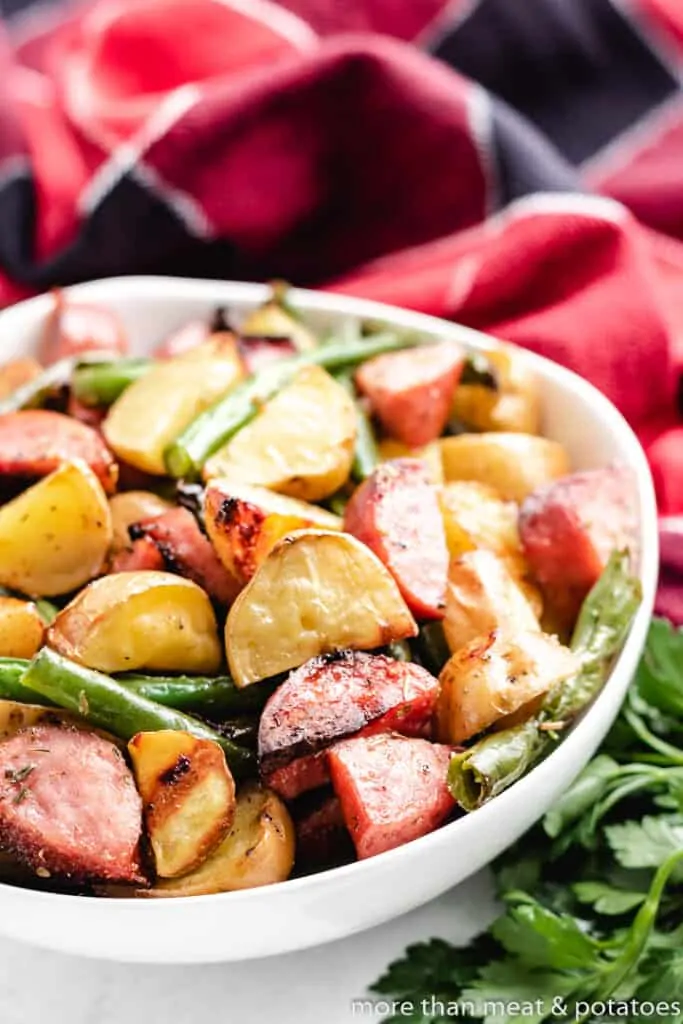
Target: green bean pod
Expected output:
[366,453]
[215,697]
[101,383]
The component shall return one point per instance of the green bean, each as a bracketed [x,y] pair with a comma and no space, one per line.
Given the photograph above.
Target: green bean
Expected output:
[108,704]
[47,610]
[431,647]
[215,697]
[498,760]
[215,426]
[101,383]
[11,685]
[399,650]
[366,454]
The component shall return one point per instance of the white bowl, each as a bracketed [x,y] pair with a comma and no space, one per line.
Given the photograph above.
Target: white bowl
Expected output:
[309,911]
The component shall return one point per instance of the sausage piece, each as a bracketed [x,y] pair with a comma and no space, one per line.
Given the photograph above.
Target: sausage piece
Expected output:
[69,806]
[391,788]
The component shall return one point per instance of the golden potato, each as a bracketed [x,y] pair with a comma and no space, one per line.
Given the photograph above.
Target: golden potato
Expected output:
[54,537]
[139,620]
[157,407]
[430,454]
[273,319]
[15,716]
[316,592]
[244,523]
[188,796]
[16,373]
[21,628]
[513,464]
[495,675]
[131,507]
[476,517]
[513,406]
[482,596]
[258,850]
[300,444]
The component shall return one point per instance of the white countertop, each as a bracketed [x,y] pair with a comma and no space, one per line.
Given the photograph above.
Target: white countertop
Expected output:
[312,987]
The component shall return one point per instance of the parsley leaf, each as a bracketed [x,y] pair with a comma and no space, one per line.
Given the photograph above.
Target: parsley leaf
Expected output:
[646,843]
[606,899]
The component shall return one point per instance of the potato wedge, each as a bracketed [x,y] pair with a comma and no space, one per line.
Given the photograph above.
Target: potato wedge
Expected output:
[476,517]
[482,596]
[513,406]
[244,523]
[188,797]
[316,592]
[301,444]
[17,372]
[139,620]
[131,507]
[21,628]
[430,454]
[157,407]
[513,464]
[495,675]
[15,716]
[55,536]
[258,850]
[273,319]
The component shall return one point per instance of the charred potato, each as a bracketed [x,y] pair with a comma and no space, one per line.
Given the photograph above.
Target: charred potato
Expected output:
[315,593]
[244,523]
[300,444]
[512,405]
[55,536]
[258,850]
[139,620]
[188,796]
[430,454]
[132,507]
[494,676]
[482,596]
[514,465]
[157,407]
[21,628]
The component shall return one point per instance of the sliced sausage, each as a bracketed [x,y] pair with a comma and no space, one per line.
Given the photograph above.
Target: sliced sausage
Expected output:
[570,528]
[69,806]
[396,513]
[411,392]
[34,442]
[77,327]
[260,352]
[391,788]
[322,838]
[143,555]
[335,696]
[186,551]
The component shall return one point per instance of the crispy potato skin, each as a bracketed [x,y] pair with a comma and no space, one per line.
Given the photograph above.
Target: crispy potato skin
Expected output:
[244,523]
[301,443]
[17,372]
[21,628]
[316,592]
[495,675]
[151,413]
[392,789]
[396,513]
[131,507]
[569,530]
[139,620]
[35,442]
[188,797]
[515,406]
[482,596]
[512,464]
[411,392]
[55,536]
[258,850]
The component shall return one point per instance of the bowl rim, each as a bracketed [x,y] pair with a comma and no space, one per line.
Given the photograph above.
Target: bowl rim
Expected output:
[152,288]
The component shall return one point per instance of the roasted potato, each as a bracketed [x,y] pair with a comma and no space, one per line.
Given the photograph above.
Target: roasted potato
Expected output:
[15,716]
[514,405]
[430,454]
[273,319]
[495,675]
[316,592]
[476,517]
[188,797]
[139,620]
[244,523]
[54,537]
[513,464]
[157,407]
[300,444]
[17,372]
[131,507]
[482,596]
[258,850]
[21,628]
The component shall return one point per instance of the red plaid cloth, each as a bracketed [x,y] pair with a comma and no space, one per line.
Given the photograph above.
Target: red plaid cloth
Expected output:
[477,181]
